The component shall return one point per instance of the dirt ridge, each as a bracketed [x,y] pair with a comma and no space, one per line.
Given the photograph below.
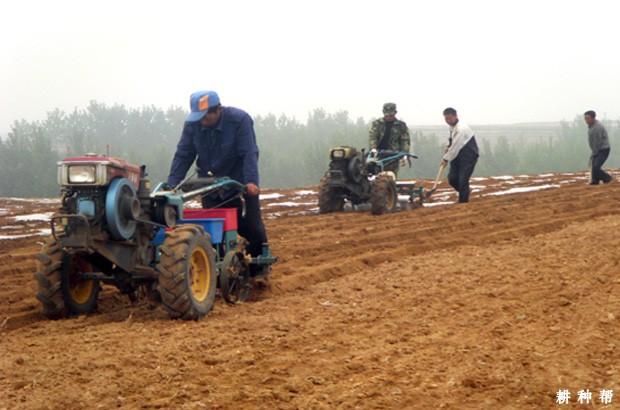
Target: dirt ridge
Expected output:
[498,303]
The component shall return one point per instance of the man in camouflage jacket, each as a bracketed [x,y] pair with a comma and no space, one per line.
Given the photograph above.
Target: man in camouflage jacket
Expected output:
[391,134]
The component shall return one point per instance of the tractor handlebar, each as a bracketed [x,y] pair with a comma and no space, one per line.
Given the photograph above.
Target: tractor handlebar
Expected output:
[194,187]
[196,183]
[376,161]
[386,156]
[225,183]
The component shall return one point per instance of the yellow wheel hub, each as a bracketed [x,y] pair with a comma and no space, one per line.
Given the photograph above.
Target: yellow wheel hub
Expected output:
[81,290]
[199,274]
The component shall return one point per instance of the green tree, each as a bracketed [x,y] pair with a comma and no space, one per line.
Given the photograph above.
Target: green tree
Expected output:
[27,157]
[429,150]
[502,158]
[292,153]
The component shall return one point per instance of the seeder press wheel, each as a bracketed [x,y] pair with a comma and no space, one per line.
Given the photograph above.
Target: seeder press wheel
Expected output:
[234,278]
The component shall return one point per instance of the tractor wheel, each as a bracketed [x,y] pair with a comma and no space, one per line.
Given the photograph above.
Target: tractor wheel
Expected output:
[329,200]
[59,289]
[187,272]
[383,195]
[234,278]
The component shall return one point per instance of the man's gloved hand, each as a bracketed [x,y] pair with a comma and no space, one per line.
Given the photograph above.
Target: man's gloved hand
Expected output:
[373,153]
[404,162]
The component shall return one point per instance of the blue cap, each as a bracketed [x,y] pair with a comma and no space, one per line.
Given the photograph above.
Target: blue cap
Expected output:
[200,102]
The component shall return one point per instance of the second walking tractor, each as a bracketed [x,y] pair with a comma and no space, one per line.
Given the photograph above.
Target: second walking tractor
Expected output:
[360,177]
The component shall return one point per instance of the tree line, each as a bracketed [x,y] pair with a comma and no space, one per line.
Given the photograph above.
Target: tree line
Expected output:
[292,153]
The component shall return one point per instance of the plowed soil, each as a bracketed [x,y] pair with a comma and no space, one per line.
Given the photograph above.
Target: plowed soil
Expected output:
[498,303]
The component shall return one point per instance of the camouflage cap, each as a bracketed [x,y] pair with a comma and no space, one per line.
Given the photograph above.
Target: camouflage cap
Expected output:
[389,108]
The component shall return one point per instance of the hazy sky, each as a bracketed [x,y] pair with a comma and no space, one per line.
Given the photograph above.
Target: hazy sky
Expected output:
[496,62]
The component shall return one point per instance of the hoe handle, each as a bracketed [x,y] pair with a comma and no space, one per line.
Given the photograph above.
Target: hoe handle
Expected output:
[441,168]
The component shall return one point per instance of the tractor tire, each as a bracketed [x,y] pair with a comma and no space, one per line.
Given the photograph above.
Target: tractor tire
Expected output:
[187,273]
[59,290]
[329,200]
[383,196]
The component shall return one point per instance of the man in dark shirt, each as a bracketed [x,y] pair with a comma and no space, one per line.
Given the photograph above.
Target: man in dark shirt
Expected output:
[223,141]
[599,144]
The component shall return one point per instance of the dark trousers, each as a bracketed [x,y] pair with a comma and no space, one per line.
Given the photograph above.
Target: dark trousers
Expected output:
[461,169]
[250,225]
[598,160]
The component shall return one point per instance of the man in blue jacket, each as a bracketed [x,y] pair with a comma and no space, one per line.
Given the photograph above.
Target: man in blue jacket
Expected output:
[223,140]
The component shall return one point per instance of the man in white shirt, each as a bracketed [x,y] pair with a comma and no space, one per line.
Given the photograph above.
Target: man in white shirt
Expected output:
[462,153]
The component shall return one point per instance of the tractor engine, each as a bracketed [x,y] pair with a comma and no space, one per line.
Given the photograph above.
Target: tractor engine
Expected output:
[109,197]
[102,193]
[346,164]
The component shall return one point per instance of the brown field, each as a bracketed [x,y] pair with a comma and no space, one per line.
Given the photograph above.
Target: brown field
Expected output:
[494,304]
